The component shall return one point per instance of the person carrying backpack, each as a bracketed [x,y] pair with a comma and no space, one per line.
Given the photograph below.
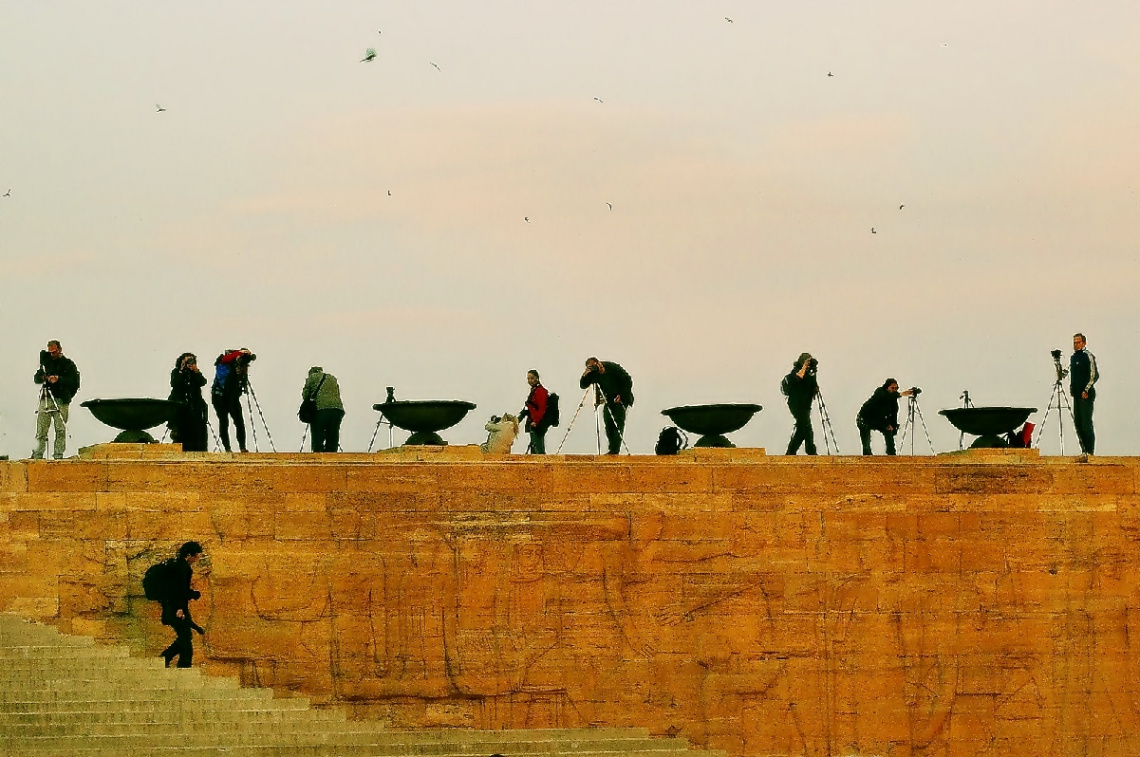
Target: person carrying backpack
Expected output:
[230,371]
[540,413]
[175,592]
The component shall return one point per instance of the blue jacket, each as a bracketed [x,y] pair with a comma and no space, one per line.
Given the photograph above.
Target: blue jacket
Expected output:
[1082,374]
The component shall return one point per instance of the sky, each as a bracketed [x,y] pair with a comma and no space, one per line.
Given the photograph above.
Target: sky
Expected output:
[439,219]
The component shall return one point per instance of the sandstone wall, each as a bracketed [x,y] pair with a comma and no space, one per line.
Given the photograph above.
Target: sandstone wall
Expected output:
[977,604]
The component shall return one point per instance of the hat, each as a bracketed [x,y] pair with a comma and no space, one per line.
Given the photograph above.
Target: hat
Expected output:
[804,356]
[316,369]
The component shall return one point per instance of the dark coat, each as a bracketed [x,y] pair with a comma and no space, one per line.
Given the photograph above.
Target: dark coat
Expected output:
[615,382]
[189,425]
[799,391]
[1082,373]
[881,411]
[180,593]
[64,389]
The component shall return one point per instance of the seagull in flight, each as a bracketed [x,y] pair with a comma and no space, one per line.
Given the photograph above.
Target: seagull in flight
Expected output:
[437,68]
[526,218]
[369,56]
[873,230]
[729,20]
[8,193]
[389,192]
[599,99]
[830,74]
[610,205]
[159,109]
[901,207]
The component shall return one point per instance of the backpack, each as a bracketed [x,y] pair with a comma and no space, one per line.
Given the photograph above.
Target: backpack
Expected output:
[222,373]
[671,441]
[158,580]
[550,418]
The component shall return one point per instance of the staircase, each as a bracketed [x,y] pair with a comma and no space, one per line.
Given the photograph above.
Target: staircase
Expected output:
[65,696]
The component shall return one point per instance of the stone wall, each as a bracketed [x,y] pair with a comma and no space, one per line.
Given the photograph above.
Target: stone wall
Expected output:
[959,605]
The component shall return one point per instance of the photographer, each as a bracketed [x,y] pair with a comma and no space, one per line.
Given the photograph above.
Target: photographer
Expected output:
[1083,375]
[535,413]
[616,387]
[881,413]
[323,389]
[800,387]
[189,424]
[231,371]
[60,381]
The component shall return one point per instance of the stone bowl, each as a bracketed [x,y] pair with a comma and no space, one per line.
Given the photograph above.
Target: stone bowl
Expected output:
[989,424]
[425,418]
[712,421]
[133,415]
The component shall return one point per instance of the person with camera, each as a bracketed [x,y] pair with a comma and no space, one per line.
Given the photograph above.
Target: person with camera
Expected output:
[59,380]
[881,413]
[800,388]
[189,424]
[1083,376]
[328,410]
[614,388]
[231,372]
[534,411]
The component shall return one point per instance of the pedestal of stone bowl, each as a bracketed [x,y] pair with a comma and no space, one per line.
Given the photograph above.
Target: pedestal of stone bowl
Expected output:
[712,422]
[133,415]
[425,418]
[989,424]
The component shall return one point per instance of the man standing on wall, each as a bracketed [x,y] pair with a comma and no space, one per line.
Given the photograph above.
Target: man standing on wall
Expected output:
[1083,375]
[323,389]
[800,387]
[616,388]
[535,413]
[176,606]
[59,380]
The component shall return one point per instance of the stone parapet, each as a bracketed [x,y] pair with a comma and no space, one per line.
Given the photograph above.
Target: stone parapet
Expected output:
[954,605]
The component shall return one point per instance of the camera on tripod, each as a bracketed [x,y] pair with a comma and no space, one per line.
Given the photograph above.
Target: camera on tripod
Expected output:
[1061,370]
[915,391]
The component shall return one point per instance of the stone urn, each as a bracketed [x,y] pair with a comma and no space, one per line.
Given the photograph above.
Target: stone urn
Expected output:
[424,418]
[133,415]
[712,422]
[989,424]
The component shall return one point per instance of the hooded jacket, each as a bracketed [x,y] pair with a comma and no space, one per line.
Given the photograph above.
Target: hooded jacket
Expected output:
[63,390]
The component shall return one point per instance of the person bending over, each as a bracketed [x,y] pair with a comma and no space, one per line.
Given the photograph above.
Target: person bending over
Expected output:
[881,413]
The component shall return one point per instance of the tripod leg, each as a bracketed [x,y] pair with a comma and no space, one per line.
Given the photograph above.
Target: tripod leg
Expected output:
[374,433]
[252,425]
[304,436]
[576,412]
[265,425]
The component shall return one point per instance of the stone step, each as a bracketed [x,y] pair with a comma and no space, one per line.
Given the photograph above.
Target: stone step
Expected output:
[94,718]
[122,681]
[299,723]
[86,694]
[41,651]
[181,704]
[83,664]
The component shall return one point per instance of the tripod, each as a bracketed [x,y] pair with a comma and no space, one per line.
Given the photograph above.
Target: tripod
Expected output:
[825,422]
[598,394]
[966,402]
[1059,399]
[912,409]
[250,394]
[46,393]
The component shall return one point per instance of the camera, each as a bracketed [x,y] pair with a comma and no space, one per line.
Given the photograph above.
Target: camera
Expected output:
[1056,354]
[915,391]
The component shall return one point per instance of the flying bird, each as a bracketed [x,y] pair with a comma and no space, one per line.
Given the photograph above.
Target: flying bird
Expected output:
[437,68]
[873,230]
[8,193]
[901,207]
[610,205]
[830,74]
[159,109]
[369,56]
[389,192]
[526,218]
[729,20]
[599,99]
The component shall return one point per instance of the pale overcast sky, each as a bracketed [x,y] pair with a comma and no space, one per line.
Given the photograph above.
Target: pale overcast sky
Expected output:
[744,180]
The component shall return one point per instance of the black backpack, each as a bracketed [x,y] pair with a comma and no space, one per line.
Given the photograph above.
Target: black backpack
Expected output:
[158,580]
[671,441]
[550,418]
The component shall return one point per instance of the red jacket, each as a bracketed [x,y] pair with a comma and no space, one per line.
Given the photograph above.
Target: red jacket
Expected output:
[536,404]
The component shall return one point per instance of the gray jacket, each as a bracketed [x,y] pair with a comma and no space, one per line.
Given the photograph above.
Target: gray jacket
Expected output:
[328,398]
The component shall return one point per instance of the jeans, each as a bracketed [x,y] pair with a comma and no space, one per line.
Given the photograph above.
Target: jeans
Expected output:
[183,645]
[1083,415]
[326,430]
[865,437]
[613,414]
[45,417]
[803,434]
[537,441]
[226,409]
